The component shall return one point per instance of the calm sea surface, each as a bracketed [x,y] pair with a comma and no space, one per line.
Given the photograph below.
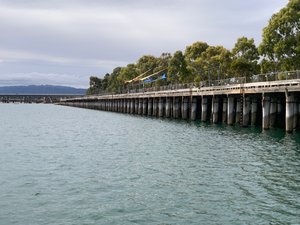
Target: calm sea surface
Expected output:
[63,165]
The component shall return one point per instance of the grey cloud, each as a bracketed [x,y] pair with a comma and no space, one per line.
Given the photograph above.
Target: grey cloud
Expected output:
[84,37]
[35,78]
[89,3]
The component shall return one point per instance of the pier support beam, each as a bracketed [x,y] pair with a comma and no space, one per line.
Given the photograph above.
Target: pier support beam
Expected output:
[145,106]
[176,107]
[224,114]
[120,109]
[128,105]
[266,112]
[116,105]
[280,120]
[273,112]
[184,108]
[106,105]
[161,107]
[253,111]
[131,106]
[121,106]
[111,105]
[291,112]
[136,106]
[168,108]
[193,108]
[124,105]
[230,110]
[150,102]
[238,111]
[215,109]
[246,111]
[155,107]
[204,109]
[140,111]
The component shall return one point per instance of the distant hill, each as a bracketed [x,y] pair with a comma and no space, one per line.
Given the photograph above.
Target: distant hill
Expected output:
[41,89]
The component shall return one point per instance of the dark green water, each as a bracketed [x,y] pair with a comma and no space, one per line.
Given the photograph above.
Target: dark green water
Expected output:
[62,165]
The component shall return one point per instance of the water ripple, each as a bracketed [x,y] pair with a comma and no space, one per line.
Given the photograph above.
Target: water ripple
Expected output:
[63,165]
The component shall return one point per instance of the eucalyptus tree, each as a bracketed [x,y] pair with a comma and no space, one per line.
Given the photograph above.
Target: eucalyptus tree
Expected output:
[146,63]
[215,63]
[195,50]
[177,68]
[127,73]
[193,54]
[280,45]
[114,84]
[95,85]
[245,57]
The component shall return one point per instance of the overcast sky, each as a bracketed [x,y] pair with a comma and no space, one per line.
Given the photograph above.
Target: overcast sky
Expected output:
[64,42]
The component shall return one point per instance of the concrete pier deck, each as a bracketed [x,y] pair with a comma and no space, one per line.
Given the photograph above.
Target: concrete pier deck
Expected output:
[259,103]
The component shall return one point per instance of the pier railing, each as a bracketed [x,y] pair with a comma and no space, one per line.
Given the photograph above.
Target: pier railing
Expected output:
[287,75]
[273,76]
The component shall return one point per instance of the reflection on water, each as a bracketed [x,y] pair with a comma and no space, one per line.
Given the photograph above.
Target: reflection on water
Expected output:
[63,165]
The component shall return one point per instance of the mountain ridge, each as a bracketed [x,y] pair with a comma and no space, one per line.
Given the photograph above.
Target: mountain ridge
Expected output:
[41,89]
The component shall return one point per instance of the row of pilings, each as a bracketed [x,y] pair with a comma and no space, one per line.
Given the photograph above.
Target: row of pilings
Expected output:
[266,110]
[6,99]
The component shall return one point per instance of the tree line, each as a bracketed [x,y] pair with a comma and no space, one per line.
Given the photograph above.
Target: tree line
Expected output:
[278,51]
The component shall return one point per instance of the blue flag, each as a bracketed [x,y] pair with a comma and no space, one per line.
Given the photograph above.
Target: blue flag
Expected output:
[164,76]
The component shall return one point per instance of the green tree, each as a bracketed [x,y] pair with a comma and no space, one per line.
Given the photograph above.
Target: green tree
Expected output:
[127,73]
[162,64]
[245,57]
[192,55]
[105,81]
[214,63]
[177,69]
[114,85]
[95,85]
[281,38]
[195,50]
[146,63]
